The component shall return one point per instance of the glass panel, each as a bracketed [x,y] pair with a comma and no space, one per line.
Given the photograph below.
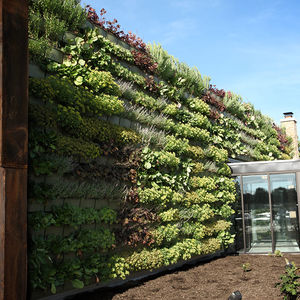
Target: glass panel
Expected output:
[285,213]
[239,239]
[257,214]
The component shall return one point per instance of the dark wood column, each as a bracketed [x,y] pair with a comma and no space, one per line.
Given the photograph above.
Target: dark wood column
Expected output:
[13,148]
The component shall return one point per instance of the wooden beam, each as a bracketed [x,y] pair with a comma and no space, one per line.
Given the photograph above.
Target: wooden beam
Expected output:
[13,148]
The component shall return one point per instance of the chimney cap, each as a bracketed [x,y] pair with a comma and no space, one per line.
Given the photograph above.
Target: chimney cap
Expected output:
[288,114]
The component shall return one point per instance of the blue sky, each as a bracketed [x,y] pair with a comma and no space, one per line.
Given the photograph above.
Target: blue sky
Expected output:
[249,47]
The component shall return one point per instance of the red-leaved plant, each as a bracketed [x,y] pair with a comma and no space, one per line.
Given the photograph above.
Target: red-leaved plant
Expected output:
[281,137]
[151,85]
[211,99]
[221,93]
[142,57]
[144,61]
[213,114]
[114,28]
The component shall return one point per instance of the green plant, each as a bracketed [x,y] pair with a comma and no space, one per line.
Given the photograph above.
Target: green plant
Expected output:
[166,234]
[289,285]
[169,215]
[188,131]
[177,145]
[226,238]
[48,164]
[158,195]
[48,21]
[173,71]
[278,253]
[102,82]
[40,192]
[72,216]
[197,105]
[41,142]
[38,49]
[225,211]
[151,136]
[246,267]
[47,25]
[68,10]
[102,190]
[144,116]
[77,148]
[145,100]
[54,89]
[207,183]
[195,152]
[199,196]
[168,177]
[156,159]
[201,212]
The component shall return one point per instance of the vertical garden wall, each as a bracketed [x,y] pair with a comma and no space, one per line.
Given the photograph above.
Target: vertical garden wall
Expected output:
[128,150]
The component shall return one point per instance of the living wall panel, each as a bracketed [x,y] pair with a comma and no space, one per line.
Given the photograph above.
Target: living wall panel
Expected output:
[127,162]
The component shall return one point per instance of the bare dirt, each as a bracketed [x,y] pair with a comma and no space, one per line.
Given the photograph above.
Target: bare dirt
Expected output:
[216,279]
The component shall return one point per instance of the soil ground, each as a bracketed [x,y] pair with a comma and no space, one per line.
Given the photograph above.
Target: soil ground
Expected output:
[216,279]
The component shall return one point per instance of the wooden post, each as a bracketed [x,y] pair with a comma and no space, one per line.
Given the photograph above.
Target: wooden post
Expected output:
[13,148]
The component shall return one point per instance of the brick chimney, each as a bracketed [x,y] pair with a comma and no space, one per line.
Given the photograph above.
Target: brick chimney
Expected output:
[290,125]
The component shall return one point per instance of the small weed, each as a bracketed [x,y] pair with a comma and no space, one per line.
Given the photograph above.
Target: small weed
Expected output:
[246,267]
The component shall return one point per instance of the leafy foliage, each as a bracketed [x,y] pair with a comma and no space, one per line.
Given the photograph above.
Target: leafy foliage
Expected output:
[48,21]
[117,200]
[289,285]
[114,28]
